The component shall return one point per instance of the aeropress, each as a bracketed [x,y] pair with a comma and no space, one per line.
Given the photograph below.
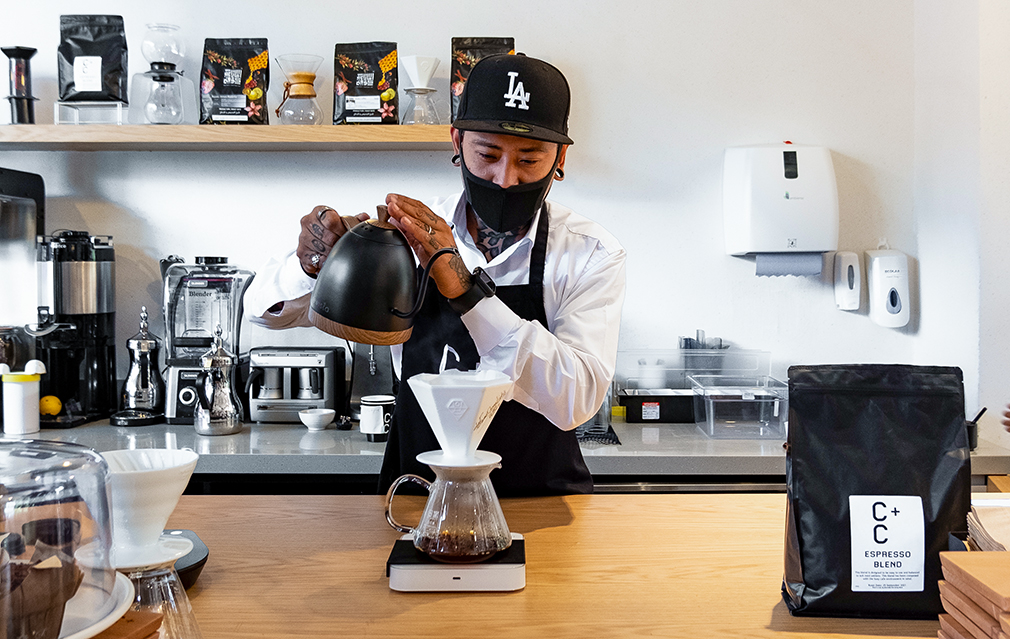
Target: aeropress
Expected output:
[21,98]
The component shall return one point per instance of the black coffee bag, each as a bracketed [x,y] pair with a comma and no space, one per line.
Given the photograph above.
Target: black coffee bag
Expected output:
[466,52]
[877,477]
[234,80]
[91,58]
[365,83]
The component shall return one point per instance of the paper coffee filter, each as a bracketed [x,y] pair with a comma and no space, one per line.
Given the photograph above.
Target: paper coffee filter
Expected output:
[419,69]
[460,405]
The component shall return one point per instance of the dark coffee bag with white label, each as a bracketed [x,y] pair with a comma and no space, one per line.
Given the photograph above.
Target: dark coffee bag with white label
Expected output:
[365,83]
[92,59]
[466,52]
[877,477]
[234,80]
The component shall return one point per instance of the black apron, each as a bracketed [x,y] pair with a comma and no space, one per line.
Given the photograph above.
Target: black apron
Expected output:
[538,458]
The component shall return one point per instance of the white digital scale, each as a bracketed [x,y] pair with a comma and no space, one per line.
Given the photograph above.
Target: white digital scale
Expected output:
[410,570]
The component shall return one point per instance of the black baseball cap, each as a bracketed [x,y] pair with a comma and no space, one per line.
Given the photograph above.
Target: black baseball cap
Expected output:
[515,95]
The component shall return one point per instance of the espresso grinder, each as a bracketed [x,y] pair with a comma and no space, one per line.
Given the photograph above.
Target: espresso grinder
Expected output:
[198,298]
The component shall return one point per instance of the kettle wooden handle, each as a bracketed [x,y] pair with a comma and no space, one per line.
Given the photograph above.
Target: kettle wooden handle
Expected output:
[383,212]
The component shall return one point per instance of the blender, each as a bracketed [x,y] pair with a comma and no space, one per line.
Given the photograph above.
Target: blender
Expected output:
[299,106]
[198,298]
[462,541]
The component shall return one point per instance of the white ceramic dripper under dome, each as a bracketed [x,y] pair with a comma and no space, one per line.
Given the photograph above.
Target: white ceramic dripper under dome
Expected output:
[459,406]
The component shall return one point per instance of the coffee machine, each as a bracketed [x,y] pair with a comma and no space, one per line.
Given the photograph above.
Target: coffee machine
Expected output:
[198,298]
[283,381]
[19,220]
[76,330]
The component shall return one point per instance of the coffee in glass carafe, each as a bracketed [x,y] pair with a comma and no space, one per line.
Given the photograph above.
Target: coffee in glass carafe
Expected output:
[462,521]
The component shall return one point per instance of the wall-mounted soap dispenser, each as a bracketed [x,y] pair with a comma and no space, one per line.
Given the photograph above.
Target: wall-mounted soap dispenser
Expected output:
[848,281]
[779,198]
[887,278]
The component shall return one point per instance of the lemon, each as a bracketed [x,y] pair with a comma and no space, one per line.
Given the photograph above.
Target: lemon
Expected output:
[388,95]
[50,405]
[256,94]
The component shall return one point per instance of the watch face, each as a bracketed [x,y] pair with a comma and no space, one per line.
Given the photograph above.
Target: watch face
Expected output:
[484,281]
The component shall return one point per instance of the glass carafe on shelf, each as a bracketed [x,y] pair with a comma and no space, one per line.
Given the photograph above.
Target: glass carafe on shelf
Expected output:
[421,105]
[162,44]
[299,105]
[162,95]
[164,103]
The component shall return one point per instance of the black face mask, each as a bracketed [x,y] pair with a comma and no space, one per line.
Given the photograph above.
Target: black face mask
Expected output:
[505,209]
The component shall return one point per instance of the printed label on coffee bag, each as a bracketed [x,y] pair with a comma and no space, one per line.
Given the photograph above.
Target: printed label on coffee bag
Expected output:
[888,543]
[88,73]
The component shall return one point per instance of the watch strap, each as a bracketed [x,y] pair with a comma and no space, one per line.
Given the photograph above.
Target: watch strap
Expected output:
[481,286]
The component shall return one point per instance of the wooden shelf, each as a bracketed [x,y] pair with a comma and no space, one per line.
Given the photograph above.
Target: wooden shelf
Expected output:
[139,137]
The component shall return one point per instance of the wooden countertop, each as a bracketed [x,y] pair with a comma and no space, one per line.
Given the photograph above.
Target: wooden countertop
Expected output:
[670,565]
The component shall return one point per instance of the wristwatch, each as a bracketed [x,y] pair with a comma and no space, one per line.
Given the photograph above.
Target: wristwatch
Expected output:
[481,286]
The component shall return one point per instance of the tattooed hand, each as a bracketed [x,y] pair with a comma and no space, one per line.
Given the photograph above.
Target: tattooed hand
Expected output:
[320,231]
[426,233]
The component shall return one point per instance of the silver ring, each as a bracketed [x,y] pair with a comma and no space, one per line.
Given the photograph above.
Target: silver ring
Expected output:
[431,230]
[320,214]
[314,258]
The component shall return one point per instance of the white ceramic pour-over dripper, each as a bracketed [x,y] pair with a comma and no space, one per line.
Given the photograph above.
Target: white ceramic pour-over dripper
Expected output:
[459,406]
[145,485]
[419,69]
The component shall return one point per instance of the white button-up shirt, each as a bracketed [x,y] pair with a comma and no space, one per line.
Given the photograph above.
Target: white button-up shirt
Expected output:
[562,370]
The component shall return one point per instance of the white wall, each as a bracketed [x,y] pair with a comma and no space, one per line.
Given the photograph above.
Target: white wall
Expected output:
[661,89]
[994,133]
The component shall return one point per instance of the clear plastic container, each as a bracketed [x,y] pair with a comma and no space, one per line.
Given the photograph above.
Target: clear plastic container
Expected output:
[56,578]
[198,298]
[740,406]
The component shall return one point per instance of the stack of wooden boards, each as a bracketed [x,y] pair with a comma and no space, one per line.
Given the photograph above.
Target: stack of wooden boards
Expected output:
[975,592]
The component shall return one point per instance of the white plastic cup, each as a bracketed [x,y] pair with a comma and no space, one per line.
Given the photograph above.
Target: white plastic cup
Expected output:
[21,398]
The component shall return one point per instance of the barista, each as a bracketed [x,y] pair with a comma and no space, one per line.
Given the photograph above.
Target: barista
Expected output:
[535,291]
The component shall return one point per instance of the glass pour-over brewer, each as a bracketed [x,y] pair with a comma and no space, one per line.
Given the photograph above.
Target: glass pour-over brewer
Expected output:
[462,521]
[198,298]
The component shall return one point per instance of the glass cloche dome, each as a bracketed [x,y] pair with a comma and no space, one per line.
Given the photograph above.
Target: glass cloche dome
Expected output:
[56,578]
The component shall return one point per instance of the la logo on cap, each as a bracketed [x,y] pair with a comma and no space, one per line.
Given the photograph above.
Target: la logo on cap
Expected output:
[516,93]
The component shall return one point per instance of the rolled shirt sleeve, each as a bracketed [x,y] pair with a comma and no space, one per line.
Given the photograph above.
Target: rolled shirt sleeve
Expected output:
[562,371]
[280,280]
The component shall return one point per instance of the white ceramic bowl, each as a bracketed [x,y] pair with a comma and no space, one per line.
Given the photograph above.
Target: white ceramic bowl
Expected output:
[145,485]
[316,418]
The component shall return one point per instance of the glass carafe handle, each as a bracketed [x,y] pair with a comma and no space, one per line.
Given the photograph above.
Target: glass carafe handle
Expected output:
[389,499]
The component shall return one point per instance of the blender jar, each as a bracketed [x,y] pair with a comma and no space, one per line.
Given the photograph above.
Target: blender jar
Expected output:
[56,578]
[198,298]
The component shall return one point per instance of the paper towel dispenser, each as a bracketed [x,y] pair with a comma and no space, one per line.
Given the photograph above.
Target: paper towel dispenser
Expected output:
[779,198]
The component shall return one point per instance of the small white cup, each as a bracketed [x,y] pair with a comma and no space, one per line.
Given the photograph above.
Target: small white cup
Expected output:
[145,485]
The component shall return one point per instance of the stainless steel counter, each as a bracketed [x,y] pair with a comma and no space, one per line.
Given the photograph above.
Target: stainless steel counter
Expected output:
[656,452]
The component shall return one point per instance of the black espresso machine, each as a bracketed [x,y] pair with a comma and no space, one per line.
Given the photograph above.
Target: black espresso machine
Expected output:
[76,331]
